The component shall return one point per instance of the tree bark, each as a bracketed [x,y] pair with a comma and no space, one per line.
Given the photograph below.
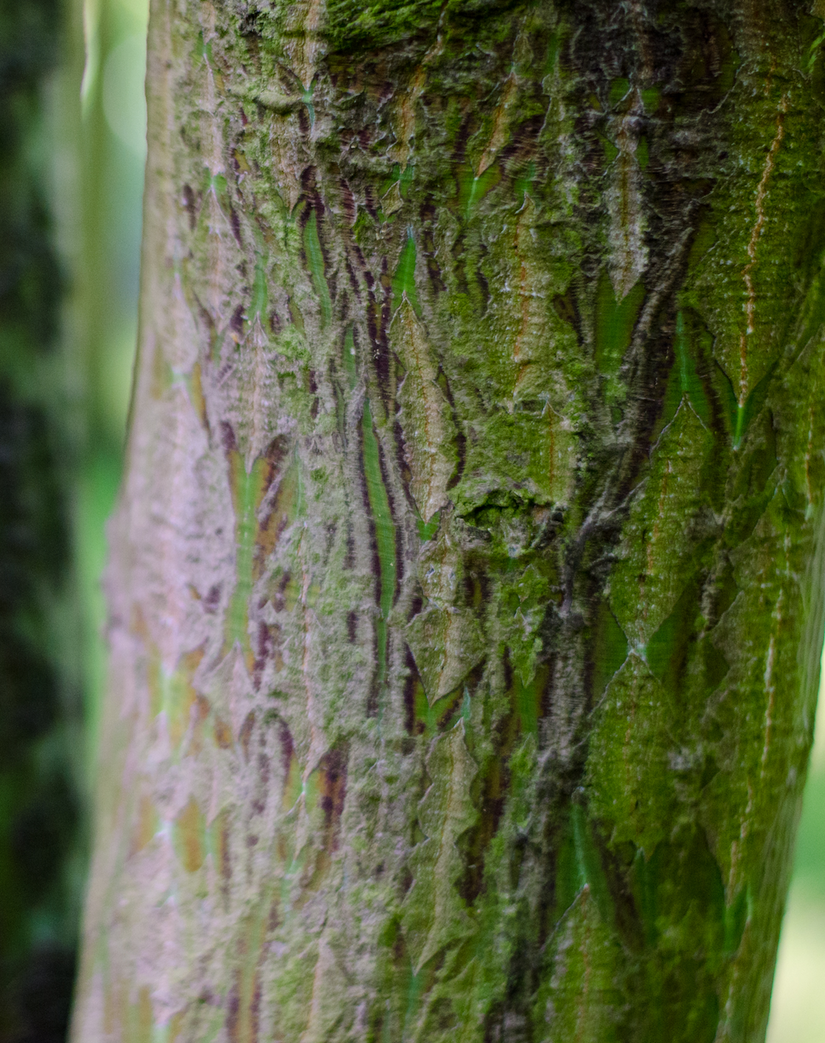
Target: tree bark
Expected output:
[466,580]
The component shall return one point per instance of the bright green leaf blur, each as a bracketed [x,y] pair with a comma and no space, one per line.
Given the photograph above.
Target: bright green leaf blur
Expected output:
[114,153]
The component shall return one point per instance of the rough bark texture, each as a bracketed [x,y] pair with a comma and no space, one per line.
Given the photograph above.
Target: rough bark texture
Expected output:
[466,582]
[38,807]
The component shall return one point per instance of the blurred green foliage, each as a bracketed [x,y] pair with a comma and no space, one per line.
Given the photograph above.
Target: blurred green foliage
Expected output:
[39,838]
[111,190]
[809,867]
[70,219]
[798,1003]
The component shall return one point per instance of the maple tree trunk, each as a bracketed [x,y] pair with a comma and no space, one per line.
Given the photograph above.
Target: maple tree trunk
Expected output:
[466,579]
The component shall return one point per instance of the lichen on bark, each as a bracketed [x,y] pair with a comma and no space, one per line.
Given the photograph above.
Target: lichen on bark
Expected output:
[472,525]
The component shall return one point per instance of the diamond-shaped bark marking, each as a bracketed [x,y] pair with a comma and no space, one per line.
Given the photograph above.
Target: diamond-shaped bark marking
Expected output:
[446,645]
[429,436]
[657,556]
[434,913]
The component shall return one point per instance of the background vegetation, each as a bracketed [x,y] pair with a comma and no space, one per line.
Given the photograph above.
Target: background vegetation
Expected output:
[42,760]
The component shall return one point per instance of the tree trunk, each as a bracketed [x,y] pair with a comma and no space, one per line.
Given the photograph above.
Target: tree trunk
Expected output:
[466,581]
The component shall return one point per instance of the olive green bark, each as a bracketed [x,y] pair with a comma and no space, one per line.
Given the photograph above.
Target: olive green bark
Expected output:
[39,895]
[466,581]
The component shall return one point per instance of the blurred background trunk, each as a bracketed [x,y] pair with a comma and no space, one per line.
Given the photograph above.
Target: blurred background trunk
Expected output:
[460,570]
